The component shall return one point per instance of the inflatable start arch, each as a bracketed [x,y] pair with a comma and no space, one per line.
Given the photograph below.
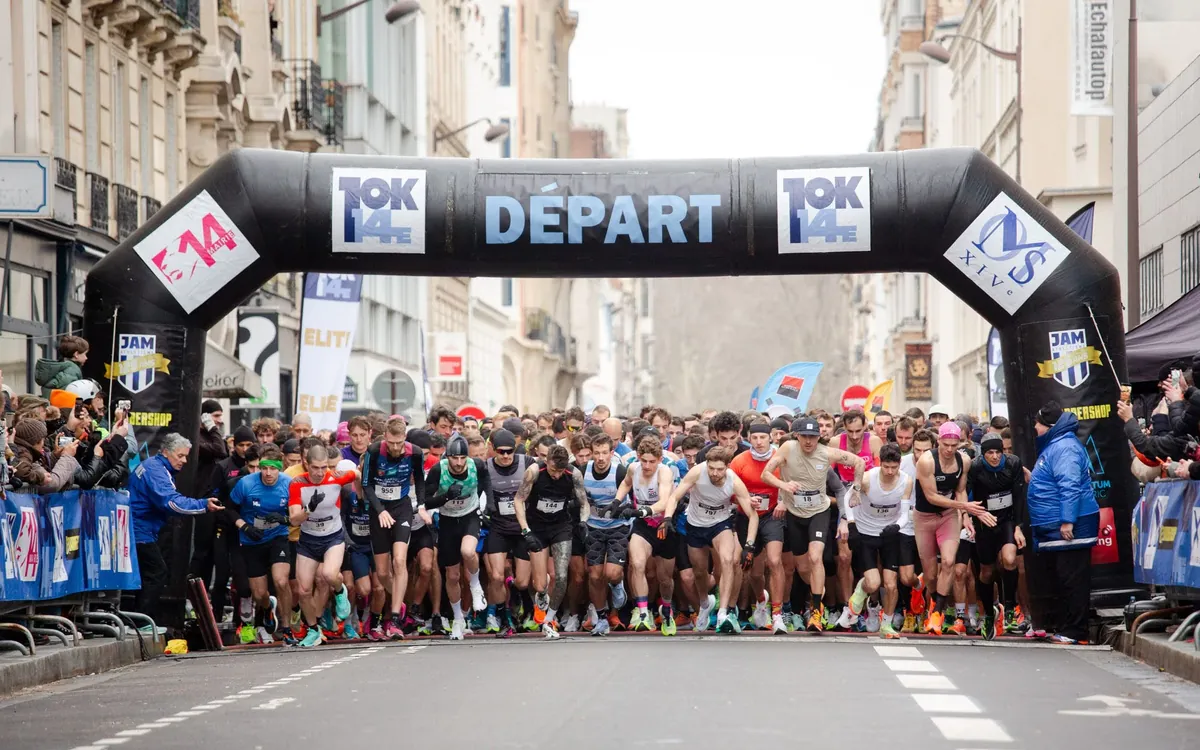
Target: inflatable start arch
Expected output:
[950,213]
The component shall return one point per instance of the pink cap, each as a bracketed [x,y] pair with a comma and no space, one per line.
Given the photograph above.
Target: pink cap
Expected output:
[399,416]
[950,431]
[343,432]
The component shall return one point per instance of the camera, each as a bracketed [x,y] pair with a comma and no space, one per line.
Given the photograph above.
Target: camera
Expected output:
[125,405]
[64,440]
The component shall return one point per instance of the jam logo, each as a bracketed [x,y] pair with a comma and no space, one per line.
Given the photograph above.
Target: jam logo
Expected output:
[196,251]
[1070,358]
[137,362]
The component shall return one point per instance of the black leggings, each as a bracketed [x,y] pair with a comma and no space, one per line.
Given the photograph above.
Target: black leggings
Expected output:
[216,558]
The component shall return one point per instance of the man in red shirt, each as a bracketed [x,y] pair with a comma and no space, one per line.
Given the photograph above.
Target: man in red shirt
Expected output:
[749,467]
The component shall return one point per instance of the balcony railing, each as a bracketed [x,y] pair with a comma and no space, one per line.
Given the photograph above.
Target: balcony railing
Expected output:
[276,48]
[540,326]
[308,95]
[127,211]
[150,207]
[187,10]
[335,110]
[67,174]
[98,188]
[66,181]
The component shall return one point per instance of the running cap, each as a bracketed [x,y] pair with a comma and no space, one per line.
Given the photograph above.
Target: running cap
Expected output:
[503,438]
[806,426]
[949,431]
[939,409]
[781,424]
[290,446]
[456,447]
[992,442]
[513,425]
[345,465]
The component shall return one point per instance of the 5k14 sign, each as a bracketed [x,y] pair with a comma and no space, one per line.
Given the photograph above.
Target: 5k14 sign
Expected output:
[329,317]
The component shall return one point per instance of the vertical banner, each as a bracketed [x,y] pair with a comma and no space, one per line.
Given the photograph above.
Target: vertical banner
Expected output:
[149,369]
[327,325]
[1091,57]
[918,372]
[62,566]
[880,399]
[791,386]
[258,350]
[997,390]
[449,356]
[754,398]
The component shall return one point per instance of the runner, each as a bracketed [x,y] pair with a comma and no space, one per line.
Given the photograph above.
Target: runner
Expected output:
[923,442]
[940,494]
[803,466]
[998,481]
[881,425]
[855,439]
[453,487]
[542,501]
[650,483]
[314,504]
[391,478]
[261,499]
[726,431]
[358,564]
[885,491]
[749,467]
[506,470]
[608,534]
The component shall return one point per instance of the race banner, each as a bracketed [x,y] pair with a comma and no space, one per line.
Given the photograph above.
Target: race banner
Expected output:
[57,545]
[997,393]
[918,372]
[258,349]
[327,321]
[791,386]
[879,399]
[1091,57]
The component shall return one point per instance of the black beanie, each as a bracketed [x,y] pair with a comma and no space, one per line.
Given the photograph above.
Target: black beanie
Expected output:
[1050,413]
[209,406]
[991,442]
[781,424]
[503,439]
[513,425]
[244,434]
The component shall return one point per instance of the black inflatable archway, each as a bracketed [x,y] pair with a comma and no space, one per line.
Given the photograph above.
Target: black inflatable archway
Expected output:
[950,213]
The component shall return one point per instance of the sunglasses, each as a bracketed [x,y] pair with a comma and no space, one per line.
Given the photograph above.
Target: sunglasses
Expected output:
[505,452]
[572,429]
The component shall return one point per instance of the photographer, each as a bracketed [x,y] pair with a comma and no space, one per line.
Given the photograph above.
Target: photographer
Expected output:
[1176,438]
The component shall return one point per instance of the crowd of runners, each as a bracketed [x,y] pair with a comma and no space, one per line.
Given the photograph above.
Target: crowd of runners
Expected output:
[574,522]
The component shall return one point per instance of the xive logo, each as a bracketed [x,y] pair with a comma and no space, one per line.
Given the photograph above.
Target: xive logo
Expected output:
[378,210]
[824,210]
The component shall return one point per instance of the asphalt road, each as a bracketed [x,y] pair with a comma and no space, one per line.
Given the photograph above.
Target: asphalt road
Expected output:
[705,692]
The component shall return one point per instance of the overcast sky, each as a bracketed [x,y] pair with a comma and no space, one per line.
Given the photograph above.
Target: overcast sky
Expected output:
[724,78]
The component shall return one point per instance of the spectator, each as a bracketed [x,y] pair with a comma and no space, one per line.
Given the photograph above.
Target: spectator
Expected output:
[210,444]
[33,466]
[51,374]
[152,499]
[1065,520]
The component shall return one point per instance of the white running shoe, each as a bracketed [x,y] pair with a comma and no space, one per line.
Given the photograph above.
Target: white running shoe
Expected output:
[493,624]
[702,617]
[592,618]
[602,626]
[550,631]
[761,617]
[619,597]
[478,599]
[459,629]
[873,618]
[778,627]
[898,619]
[263,636]
[571,624]
[847,619]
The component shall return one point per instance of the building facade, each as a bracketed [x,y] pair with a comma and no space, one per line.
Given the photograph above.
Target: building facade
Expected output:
[545,30]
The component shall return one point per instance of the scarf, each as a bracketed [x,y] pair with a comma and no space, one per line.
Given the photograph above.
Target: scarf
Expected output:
[763,456]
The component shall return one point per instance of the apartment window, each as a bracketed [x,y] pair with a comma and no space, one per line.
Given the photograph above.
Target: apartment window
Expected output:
[172,148]
[506,292]
[505,47]
[91,103]
[916,94]
[120,131]
[1190,260]
[506,144]
[1150,279]
[538,131]
[58,90]
[146,137]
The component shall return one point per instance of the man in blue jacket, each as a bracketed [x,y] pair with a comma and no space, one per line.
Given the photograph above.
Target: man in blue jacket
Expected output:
[1065,520]
[152,499]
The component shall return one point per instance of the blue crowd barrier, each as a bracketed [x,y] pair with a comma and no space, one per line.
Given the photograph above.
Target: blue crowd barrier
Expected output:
[66,543]
[1166,535]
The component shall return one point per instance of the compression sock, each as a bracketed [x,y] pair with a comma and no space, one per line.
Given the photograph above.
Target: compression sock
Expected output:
[776,609]
[642,604]
[960,610]
[939,602]
[1009,580]
[816,599]
[456,607]
[987,595]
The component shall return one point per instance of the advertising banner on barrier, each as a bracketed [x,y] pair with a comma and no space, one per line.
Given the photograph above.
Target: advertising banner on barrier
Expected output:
[1166,535]
[328,322]
[61,544]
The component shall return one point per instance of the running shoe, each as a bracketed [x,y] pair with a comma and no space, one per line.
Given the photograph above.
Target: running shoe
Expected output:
[761,618]
[910,623]
[683,618]
[492,625]
[246,634]
[530,625]
[959,627]
[887,629]
[590,619]
[478,598]
[349,632]
[706,609]
[1035,633]
[614,621]
[619,597]
[916,602]
[668,627]
[550,628]
[989,628]
[1020,617]
[392,631]
[374,627]
[1011,623]
[860,624]
[816,621]
[778,626]
[934,622]
[506,630]
[874,619]
[437,624]
[341,602]
[296,618]
[972,626]
[728,625]
[262,635]
[1062,640]
[858,599]
[541,603]
[458,629]
[601,627]
[311,638]
[271,616]
[571,624]
[847,618]
[640,622]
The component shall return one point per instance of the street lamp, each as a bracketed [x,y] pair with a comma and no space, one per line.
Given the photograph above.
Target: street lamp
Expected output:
[936,51]
[394,13]
[495,131]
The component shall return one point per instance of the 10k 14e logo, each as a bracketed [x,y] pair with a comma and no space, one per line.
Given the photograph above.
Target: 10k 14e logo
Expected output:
[378,210]
[824,210]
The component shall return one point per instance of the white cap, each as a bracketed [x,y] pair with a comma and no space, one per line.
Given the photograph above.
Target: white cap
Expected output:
[779,410]
[84,390]
[939,409]
[345,465]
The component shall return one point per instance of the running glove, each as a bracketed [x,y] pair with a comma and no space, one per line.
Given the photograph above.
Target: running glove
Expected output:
[454,491]
[666,528]
[614,510]
[253,533]
[278,518]
[632,512]
[532,543]
[315,500]
[891,530]
[747,555]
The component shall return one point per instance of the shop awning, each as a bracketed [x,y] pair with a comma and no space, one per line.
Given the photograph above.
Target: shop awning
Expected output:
[225,377]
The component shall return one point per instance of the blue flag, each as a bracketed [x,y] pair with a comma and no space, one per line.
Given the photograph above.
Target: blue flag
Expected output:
[1081,222]
[791,386]
[754,398]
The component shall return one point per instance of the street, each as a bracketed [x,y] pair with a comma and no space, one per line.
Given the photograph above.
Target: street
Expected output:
[648,691]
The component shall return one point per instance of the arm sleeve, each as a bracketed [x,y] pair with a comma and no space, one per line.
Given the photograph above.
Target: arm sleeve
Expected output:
[418,472]
[485,478]
[167,498]
[431,484]
[1070,477]
[210,445]
[1020,494]
[834,487]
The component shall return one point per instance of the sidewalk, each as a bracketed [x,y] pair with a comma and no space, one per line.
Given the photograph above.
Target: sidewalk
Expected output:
[1180,659]
[55,661]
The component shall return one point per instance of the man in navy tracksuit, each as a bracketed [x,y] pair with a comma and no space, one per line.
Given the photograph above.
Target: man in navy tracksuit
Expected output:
[1065,520]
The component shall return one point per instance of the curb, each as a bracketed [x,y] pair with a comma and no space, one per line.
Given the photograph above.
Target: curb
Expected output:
[1157,653]
[88,658]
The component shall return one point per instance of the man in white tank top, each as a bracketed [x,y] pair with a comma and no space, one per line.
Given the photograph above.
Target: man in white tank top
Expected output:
[649,481]
[714,489]
[879,509]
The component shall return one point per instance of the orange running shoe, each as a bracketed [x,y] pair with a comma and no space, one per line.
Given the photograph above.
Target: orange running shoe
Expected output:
[539,611]
[916,602]
[959,627]
[614,620]
[934,622]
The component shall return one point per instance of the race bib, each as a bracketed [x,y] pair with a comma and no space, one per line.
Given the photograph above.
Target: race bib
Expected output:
[507,507]
[360,529]
[550,506]
[761,502]
[883,510]
[807,501]
[262,523]
[457,504]
[708,511]
[389,493]
[318,527]
[1000,502]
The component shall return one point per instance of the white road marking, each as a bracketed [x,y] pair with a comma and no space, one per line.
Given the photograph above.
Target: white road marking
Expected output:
[898,652]
[132,732]
[113,741]
[186,714]
[153,725]
[273,704]
[946,703]
[223,701]
[173,719]
[925,681]
[909,665]
[207,706]
[973,730]
[89,747]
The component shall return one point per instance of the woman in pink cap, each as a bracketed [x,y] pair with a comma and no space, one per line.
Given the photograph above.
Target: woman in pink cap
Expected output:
[938,516]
